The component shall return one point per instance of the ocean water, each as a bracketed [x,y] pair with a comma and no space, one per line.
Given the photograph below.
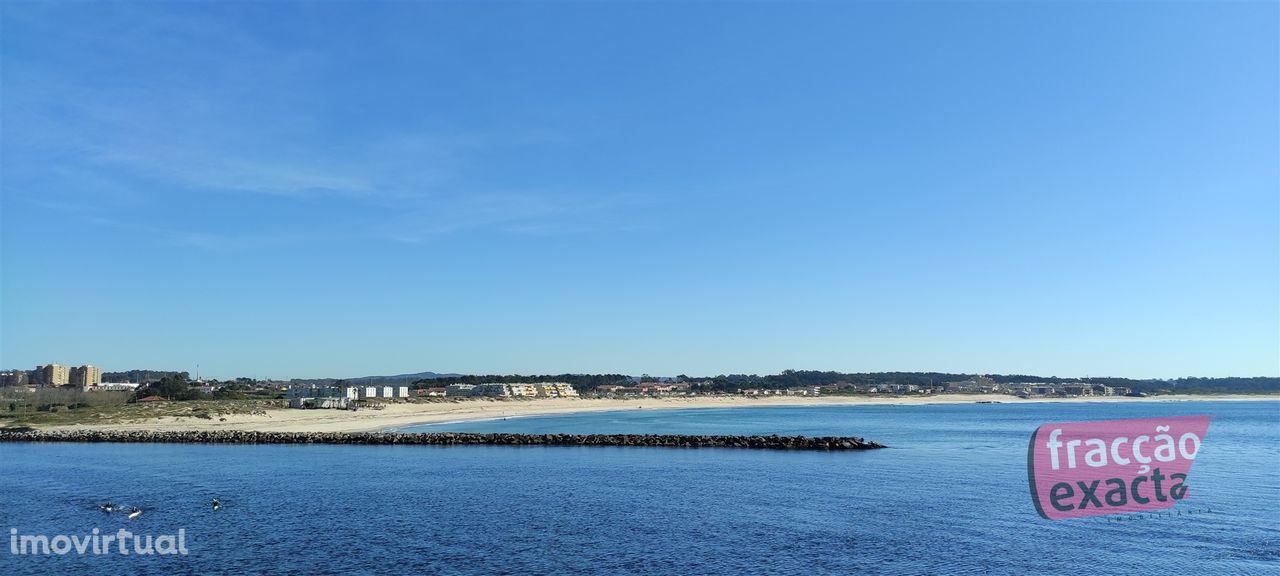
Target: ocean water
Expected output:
[949,497]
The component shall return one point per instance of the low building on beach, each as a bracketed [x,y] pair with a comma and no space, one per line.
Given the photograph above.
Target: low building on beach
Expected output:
[313,396]
[521,390]
[459,389]
[517,390]
[555,390]
[1077,389]
[492,390]
[388,392]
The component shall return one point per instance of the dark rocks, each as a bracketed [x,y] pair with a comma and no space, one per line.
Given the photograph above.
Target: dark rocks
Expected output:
[773,442]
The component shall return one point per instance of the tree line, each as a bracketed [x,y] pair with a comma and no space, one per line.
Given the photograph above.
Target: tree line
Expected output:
[177,385]
[142,376]
[733,383]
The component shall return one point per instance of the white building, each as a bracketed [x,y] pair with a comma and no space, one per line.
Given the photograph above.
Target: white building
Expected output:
[524,390]
[371,392]
[493,390]
[556,390]
[459,389]
[311,396]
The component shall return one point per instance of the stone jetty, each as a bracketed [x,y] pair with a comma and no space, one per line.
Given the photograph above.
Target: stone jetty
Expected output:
[771,442]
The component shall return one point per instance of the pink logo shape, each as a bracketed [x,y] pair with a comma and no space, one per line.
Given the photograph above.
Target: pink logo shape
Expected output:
[1078,469]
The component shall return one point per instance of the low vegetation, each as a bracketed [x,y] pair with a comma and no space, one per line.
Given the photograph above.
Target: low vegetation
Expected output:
[62,406]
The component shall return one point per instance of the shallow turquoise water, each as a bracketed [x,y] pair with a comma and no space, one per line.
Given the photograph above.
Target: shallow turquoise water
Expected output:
[949,496]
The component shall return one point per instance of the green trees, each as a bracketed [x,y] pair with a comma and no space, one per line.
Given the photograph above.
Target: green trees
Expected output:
[172,387]
[141,376]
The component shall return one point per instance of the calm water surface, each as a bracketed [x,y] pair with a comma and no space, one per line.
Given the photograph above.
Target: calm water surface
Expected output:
[949,497]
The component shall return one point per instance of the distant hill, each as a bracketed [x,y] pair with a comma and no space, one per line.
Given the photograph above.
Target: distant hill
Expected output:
[403,377]
[393,379]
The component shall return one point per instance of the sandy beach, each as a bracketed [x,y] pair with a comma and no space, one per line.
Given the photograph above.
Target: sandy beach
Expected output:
[400,415]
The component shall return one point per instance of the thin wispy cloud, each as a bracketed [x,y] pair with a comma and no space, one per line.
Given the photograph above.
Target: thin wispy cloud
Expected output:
[212,242]
[365,150]
[526,214]
[235,117]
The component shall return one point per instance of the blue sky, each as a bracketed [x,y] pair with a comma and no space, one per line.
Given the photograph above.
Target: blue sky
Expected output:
[286,189]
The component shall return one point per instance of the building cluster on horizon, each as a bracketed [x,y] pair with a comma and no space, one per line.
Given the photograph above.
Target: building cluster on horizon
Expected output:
[1068,389]
[327,393]
[53,375]
[974,385]
[984,385]
[501,390]
[341,396]
[644,389]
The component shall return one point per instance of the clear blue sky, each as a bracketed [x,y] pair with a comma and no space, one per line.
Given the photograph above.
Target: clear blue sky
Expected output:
[279,189]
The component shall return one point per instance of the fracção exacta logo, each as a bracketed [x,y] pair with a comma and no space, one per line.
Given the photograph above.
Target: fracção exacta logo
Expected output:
[1078,469]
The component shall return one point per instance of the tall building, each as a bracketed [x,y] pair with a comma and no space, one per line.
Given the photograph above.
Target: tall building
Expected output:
[14,378]
[86,376]
[53,375]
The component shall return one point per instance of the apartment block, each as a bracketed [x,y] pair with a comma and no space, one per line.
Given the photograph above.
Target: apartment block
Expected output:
[51,375]
[86,376]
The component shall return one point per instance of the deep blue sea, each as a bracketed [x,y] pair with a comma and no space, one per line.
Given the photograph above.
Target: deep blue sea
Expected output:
[949,497]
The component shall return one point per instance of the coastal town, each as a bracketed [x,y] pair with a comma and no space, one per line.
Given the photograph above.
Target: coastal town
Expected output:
[975,385]
[54,396]
[342,394]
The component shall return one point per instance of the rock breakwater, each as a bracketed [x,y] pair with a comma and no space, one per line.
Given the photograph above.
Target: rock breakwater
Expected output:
[771,442]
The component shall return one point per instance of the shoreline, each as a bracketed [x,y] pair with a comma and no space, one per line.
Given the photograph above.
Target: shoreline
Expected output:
[398,416]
